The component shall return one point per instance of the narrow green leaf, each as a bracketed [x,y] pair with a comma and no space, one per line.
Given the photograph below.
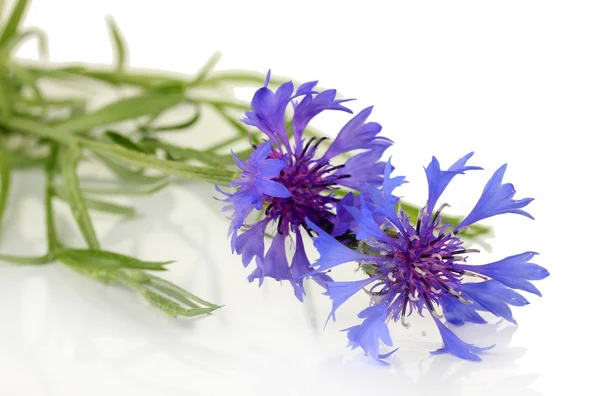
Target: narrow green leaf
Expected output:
[20,38]
[101,259]
[173,289]
[173,127]
[105,74]
[22,260]
[242,77]
[182,153]
[241,129]
[207,174]
[5,100]
[173,309]
[176,296]
[30,80]
[23,160]
[13,22]
[51,165]
[118,42]
[4,179]
[101,206]
[207,68]
[74,196]
[124,141]
[110,207]
[127,174]
[232,104]
[214,175]
[121,110]
[119,189]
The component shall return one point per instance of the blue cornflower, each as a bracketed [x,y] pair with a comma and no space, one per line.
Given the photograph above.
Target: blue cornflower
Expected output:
[422,267]
[285,177]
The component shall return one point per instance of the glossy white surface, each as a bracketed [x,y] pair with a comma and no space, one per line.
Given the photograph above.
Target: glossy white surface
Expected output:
[514,81]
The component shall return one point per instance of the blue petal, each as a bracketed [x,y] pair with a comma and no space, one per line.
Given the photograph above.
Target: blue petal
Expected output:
[309,108]
[271,168]
[357,134]
[513,271]
[333,253]
[368,227]
[363,168]
[340,292]
[383,201]
[458,313]
[251,243]
[261,153]
[268,112]
[494,297]
[300,263]
[343,218]
[244,166]
[391,183]
[272,188]
[438,179]
[258,272]
[276,264]
[455,346]
[300,266]
[496,199]
[373,329]
[306,88]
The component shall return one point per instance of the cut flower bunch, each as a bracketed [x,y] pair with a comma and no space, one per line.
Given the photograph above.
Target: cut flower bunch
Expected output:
[291,185]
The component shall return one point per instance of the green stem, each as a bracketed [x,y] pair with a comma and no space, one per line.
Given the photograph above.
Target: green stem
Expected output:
[53,242]
[207,174]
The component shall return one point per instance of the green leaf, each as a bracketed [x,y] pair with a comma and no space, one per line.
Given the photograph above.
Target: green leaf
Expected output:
[173,127]
[129,175]
[120,189]
[74,196]
[30,80]
[176,291]
[22,260]
[101,259]
[207,68]
[4,179]
[124,141]
[207,174]
[23,36]
[170,299]
[243,77]
[118,42]
[13,22]
[6,100]
[23,160]
[101,206]
[173,309]
[121,110]
[51,165]
[182,153]
[241,129]
[212,175]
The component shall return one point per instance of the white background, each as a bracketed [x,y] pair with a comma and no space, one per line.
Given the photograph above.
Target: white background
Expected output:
[515,81]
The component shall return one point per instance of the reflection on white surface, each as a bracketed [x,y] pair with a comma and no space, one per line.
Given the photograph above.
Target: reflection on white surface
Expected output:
[64,334]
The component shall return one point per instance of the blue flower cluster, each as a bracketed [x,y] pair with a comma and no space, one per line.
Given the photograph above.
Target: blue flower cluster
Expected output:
[410,265]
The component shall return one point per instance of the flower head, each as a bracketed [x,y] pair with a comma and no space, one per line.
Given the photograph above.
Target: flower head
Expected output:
[287,177]
[419,266]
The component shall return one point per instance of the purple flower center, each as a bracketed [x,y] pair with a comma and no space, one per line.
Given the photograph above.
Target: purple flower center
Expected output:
[310,183]
[421,266]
